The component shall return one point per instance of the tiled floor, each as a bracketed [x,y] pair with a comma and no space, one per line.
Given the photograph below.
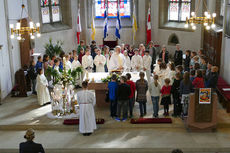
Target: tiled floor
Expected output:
[17,114]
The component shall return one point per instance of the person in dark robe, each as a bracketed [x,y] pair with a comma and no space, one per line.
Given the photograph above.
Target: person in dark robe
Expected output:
[178,56]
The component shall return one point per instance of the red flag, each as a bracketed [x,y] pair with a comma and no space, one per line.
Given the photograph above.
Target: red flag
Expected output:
[148,27]
[78,26]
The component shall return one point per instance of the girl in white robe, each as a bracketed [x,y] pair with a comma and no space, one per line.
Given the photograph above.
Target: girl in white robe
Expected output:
[86,101]
[100,61]
[68,63]
[136,62]
[147,61]
[42,88]
[172,72]
[127,66]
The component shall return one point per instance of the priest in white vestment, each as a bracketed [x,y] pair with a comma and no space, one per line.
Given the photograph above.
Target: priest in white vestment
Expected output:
[100,61]
[86,100]
[87,61]
[117,60]
[136,62]
[127,66]
[42,88]
[147,61]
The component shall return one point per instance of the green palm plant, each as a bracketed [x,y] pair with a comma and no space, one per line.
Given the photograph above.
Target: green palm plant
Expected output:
[53,49]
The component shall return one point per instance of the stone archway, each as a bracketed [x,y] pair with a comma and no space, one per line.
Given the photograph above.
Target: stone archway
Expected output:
[173,40]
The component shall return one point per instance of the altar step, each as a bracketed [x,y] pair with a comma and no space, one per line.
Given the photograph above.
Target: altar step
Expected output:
[103,126]
[127,150]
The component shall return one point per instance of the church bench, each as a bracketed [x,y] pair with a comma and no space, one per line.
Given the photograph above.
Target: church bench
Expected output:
[224,95]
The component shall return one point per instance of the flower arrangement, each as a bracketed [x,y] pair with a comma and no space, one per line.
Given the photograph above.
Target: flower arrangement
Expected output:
[109,78]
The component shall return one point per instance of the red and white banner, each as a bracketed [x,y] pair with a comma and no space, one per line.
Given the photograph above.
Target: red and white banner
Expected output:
[148,27]
[78,26]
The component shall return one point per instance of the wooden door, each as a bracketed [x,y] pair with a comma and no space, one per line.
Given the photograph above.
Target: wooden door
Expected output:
[25,45]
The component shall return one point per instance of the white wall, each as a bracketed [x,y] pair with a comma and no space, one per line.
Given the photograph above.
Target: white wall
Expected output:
[5,75]
[188,40]
[67,36]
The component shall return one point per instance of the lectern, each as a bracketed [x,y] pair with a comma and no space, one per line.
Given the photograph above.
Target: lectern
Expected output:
[202,117]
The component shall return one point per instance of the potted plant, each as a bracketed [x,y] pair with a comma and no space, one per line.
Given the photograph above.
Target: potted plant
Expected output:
[53,49]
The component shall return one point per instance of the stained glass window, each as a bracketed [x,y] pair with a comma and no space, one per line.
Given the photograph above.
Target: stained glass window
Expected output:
[100,6]
[179,10]
[50,10]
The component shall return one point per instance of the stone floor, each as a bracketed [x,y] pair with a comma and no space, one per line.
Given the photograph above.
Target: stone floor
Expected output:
[18,114]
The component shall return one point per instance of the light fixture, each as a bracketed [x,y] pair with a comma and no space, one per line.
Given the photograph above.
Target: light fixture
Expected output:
[208,20]
[31,30]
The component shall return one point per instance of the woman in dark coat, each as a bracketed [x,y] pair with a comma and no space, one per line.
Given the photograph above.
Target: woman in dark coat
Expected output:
[142,88]
[164,55]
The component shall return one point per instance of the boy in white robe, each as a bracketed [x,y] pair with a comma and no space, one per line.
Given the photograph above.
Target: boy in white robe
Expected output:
[136,62]
[117,60]
[147,61]
[56,65]
[76,64]
[86,101]
[100,61]
[87,62]
[42,88]
[127,62]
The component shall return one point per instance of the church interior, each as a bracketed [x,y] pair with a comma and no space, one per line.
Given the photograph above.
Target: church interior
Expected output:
[118,76]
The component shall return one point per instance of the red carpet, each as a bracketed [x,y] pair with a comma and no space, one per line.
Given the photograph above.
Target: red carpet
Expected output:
[76,121]
[151,121]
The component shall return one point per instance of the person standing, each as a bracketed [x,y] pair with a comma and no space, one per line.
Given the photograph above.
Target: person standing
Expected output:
[86,101]
[164,55]
[187,61]
[166,96]
[100,61]
[185,89]
[155,89]
[117,60]
[142,88]
[113,86]
[32,75]
[153,54]
[123,94]
[39,63]
[87,62]
[178,56]
[30,146]
[136,62]
[82,53]
[147,61]
[82,45]
[132,94]
[42,88]
[127,62]
[176,95]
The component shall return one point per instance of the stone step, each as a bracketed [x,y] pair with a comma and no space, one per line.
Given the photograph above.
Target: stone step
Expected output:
[127,150]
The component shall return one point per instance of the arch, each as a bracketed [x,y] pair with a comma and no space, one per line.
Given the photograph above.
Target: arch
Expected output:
[173,40]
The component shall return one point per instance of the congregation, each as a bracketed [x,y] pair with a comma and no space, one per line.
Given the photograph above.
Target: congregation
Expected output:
[169,80]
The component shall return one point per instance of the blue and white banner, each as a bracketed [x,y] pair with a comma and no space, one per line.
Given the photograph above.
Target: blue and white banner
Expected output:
[118,24]
[105,23]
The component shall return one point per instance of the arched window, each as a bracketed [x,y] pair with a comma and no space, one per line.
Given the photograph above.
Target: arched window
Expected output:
[178,10]
[100,6]
[50,11]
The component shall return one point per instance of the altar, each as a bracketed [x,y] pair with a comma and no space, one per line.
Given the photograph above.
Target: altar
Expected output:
[101,88]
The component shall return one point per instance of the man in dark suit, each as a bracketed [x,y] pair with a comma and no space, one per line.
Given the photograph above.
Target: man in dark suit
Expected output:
[164,55]
[29,146]
[153,54]
[178,56]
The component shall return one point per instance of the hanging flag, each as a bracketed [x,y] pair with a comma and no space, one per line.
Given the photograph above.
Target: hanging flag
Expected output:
[93,26]
[118,23]
[134,29]
[105,23]
[148,29]
[78,26]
